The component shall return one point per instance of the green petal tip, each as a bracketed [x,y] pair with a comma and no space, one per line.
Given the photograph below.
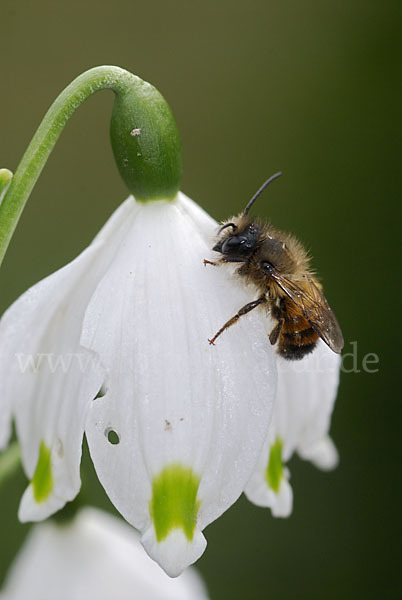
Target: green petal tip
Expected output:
[274,472]
[174,503]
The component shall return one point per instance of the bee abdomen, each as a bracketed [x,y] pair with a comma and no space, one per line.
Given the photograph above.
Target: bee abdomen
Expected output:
[294,345]
[300,338]
[294,352]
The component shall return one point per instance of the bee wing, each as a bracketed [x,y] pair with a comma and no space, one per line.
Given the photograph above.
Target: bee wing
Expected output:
[315,308]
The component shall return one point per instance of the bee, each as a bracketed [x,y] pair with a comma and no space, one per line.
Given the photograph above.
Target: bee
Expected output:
[279,267]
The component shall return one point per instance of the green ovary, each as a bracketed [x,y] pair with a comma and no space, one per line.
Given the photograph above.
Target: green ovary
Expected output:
[174,503]
[274,472]
[42,481]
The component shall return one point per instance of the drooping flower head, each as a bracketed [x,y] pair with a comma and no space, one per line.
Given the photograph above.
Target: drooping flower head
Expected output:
[115,345]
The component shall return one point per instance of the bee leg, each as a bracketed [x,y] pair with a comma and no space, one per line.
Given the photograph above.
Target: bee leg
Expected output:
[243,311]
[276,313]
[273,336]
[235,259]
[227,259]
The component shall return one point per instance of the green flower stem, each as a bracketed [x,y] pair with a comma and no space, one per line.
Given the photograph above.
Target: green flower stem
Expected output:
[144,136]
[10,461]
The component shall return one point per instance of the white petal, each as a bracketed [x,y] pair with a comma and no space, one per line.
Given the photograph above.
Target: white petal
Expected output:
[48,379]
[323,454]
[97,556]
[176,545]
[301,420]
[305,399]
[171,397]
[281,503]
[205,224]
[258,490]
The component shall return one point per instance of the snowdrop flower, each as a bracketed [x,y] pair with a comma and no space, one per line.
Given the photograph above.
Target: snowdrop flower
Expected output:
[97,556]
[116,344]
[303,407]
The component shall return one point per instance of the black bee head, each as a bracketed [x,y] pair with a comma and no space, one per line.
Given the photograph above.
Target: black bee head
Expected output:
[238,243]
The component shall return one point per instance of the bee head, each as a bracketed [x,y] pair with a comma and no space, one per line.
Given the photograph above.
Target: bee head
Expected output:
[243,238]
[238,242]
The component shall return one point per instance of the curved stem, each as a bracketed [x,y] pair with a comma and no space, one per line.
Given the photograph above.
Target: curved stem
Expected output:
[144,136]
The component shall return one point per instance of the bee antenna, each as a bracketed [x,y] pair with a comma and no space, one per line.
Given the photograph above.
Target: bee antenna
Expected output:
[227,225]
[258,192]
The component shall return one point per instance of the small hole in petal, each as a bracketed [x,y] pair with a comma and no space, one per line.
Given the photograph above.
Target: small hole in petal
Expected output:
[101,393]
[112,436]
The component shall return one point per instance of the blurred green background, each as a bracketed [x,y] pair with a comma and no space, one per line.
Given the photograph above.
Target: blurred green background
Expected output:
[306,87]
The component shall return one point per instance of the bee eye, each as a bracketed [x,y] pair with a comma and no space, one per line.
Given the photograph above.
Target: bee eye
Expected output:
[235,244]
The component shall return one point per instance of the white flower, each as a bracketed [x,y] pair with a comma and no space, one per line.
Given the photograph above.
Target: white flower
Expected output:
[305,398]
[97,556]
[115,345]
